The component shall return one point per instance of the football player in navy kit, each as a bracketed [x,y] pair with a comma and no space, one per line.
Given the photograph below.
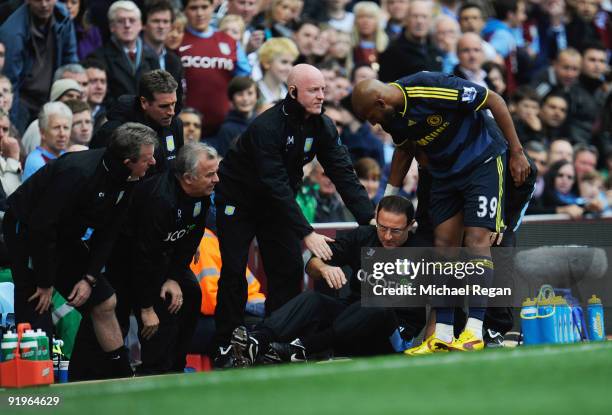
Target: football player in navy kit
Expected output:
[442,117]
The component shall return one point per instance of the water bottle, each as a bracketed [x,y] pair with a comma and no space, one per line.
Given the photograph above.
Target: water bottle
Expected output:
[548,324]
[28,347]
[529,322]
[595,316]
[43,345]
[8,346]
[562,320]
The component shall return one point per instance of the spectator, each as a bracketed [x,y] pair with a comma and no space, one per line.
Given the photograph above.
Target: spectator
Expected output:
[305,35]
[62,90]
[154,107]
[276,57]
[537,152]
[471,57]
[446,35]
[242,92]
[397,11]
[175,36]
[192,124]
[582,107]
[340,51]
[55,121]
[591,189]
[98,85]
[124,55]
[278,19]
[361,73]
[501,33]
[551,28]
[413,51]
[233,25]
[6,90]
[359,138]
[247,9]
[210,59]
[336,15]
[82,126]
[369,38]
[321,190]
[553,115]
[471,20]
[77,72]
[368,173]
[560,149]
[526,117]
[594,70]
[589,23]
[558,196]
[39,38]
[88,36]
[10,167]
[585,159]
[496,78]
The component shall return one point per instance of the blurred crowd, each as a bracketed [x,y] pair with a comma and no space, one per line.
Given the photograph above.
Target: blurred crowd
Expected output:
[65,64]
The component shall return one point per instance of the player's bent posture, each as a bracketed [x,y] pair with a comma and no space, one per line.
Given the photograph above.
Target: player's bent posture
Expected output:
[443,117]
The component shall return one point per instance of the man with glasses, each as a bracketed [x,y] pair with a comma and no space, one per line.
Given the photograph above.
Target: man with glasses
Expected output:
[313,323]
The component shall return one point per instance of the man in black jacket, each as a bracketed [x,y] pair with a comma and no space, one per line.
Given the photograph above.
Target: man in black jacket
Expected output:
[412,51]
[60,227]
[124,55]
[154,107]
[313,322]
[166,223]
[259,178]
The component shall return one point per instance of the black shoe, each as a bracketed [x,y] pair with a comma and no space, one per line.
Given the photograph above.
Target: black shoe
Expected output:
[246,347]
[493,339]
[285,352]
[224,358]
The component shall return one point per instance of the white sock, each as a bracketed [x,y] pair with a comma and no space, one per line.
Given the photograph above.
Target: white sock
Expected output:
[475,326]
[444,332]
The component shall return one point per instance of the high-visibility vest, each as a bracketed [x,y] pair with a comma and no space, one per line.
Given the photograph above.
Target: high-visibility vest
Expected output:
[206,265]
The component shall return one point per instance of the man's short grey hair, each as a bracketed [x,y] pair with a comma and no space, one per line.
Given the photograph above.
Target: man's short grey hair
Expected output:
[122,5]
[189,156]
[71,67]
[127,140]
[53,108]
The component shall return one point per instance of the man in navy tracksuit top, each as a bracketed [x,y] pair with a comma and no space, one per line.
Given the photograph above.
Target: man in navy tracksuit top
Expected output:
[256,198]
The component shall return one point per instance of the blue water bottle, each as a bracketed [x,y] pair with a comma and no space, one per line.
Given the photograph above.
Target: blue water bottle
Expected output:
[548,322]
[529,322]
[563,317]
[595,316]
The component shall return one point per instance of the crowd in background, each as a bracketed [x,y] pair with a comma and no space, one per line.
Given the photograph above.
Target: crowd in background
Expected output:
[65,64]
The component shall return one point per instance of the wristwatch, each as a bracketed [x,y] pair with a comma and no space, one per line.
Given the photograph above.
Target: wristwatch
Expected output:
[89,281]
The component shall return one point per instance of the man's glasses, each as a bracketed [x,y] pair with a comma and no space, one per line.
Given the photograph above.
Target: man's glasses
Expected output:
[392,231]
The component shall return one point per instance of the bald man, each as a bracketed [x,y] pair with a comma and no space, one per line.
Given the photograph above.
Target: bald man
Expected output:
[255,197]
[471,57]
[441,116]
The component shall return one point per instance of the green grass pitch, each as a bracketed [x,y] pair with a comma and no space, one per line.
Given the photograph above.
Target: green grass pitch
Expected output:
[571,379]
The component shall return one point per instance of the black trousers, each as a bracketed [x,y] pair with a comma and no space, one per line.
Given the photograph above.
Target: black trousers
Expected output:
[70,271]
[166,351]
[281,253]
[323,322]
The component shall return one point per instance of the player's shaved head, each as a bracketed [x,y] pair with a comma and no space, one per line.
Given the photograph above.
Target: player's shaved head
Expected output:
[367,95]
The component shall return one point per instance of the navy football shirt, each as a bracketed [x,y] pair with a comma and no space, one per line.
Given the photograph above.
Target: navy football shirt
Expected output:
[442,115]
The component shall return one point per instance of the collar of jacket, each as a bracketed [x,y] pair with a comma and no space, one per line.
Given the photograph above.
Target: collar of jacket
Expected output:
[294,110]
[115,168]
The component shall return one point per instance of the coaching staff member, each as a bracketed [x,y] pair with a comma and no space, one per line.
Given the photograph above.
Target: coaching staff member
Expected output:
[154,107]
[60,227]
[168,217]
[256,198]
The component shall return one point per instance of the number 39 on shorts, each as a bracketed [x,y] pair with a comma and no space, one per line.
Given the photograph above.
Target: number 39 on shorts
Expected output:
[486,205]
